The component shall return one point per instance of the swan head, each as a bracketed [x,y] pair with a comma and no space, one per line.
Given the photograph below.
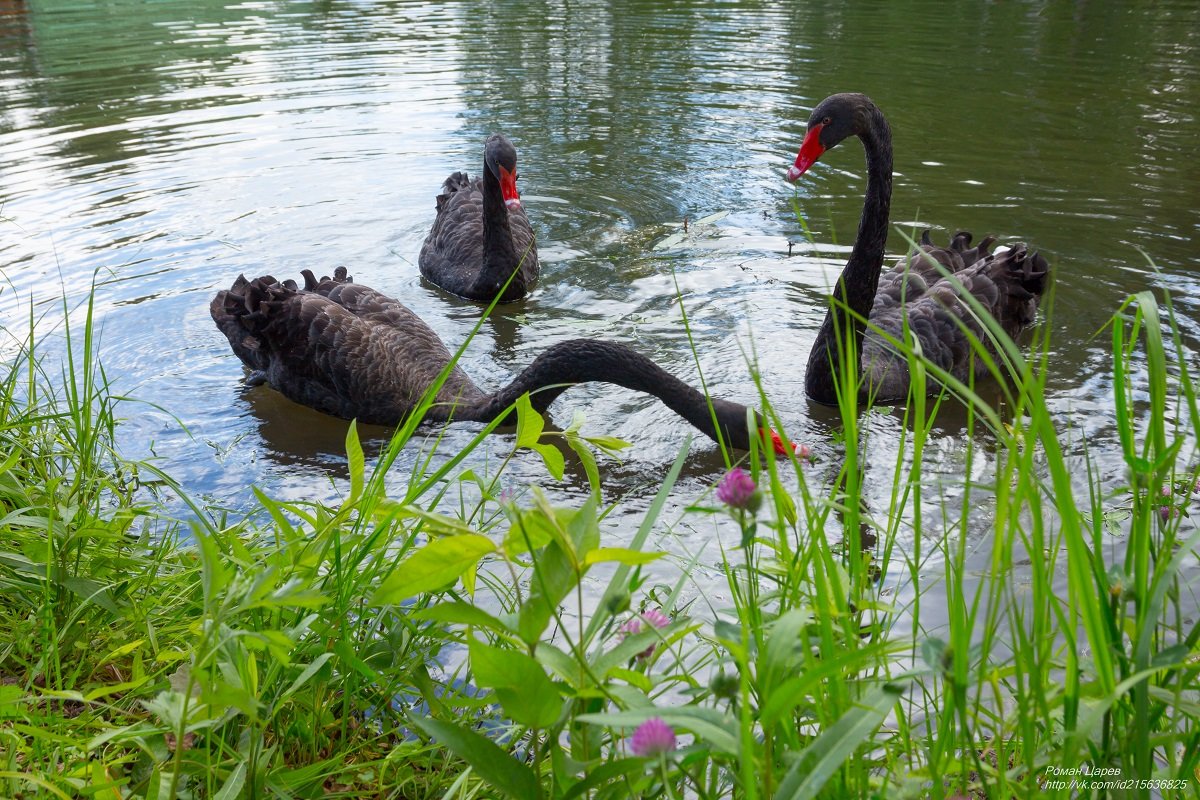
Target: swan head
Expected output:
[500,158]
[835,118]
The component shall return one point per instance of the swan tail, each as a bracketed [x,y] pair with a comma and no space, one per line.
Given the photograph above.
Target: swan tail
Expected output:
[362,301]
[325,284]
[1021,276]
[241,313]
[958,256]
[961,244]
[252,313]
[458,182]
[924,260]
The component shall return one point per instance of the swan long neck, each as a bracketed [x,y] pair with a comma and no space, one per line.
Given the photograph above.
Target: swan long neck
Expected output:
[587,360]
[859,281]
[500,257]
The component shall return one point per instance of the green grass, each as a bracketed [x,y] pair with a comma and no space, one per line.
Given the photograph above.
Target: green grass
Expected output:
[434,646]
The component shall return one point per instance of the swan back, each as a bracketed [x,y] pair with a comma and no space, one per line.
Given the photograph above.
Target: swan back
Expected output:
[1008,285]
[338,347]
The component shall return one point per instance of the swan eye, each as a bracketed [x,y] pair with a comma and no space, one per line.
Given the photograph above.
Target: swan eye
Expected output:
[827,120]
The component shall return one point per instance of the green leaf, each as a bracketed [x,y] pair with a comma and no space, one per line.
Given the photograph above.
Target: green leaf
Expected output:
[306,674]
[36,780]
[277,643]
[212,570]
[225,695]
[435,565]
[553,458]
[620,575]
[784,651]
[233,784]
[621,555]
[355,461]
[295,593]
[175,710]
[561,664]
[92,592]
[553,578]
[785,502]
[609,444]
[577,420]
[837,743]
[10,701]
[632,677]
[494,765]
[529,423]
[521,684]
[534,529]
[349,658]
[560,534]
[434,522]
[431,694]
[124,649]
[280,519]
[628,647]
[530,426]
[783,697]
[604,773]
[584,527]
[111,689]
[458,612]
[587,459]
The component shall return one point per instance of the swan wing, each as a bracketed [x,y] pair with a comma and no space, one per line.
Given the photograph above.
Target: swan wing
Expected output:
[350,358]
[372,306]
[1008,286]
[452,255]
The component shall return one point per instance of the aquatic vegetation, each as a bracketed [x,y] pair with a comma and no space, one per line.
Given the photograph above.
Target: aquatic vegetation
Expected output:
[393,646]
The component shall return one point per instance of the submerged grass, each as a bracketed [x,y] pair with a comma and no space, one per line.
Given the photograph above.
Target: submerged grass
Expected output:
[389,647]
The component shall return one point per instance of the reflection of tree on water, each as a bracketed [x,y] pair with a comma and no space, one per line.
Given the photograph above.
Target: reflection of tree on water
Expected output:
[100,70]
[84,68]
[10,11]
[16,38]
[591,86]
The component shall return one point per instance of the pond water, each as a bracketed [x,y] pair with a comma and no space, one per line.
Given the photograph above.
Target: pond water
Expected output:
[165,147]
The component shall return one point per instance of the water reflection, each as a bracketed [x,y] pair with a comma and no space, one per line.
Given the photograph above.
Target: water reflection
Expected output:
[296,436]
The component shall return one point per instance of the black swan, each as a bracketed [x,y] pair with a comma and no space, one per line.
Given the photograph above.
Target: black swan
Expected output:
[347,350]
[481,235]
[1007,284]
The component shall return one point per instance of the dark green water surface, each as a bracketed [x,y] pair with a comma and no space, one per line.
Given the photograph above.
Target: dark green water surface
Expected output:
[168,146]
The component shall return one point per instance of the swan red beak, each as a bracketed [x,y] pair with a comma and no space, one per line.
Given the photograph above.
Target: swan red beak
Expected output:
[810,150]
[781,446]
[508,188]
